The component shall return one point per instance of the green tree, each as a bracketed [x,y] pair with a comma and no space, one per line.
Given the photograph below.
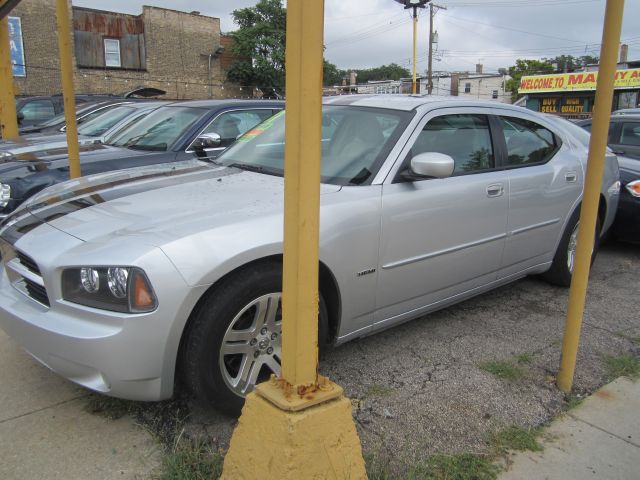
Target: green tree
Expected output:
[570,63]
[383,72]
[525,67]
[332,75]
[259,44]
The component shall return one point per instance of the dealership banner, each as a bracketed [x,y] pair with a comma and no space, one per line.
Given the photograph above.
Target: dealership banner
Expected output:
[16,48]
[578,81]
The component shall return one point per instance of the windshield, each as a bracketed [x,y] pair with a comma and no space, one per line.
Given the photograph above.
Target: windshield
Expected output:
[58,119]
[158,130]
[355,140]
[101,123]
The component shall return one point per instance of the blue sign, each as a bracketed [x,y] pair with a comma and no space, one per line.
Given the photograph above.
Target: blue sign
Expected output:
[16,47]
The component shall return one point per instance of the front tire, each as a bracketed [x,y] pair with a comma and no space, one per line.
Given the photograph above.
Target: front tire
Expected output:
[561,269]
[234,338]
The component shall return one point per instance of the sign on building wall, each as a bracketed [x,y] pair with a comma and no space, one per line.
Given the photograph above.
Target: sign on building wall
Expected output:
[16,47]
[573,82]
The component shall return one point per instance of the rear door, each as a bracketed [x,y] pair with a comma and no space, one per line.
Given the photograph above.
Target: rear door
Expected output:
[627,138]
[545,179]
[442,237]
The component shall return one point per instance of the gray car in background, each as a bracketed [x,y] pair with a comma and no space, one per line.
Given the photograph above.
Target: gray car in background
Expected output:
[124,282]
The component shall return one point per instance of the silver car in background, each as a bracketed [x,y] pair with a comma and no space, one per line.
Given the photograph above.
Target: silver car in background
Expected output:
[124,281]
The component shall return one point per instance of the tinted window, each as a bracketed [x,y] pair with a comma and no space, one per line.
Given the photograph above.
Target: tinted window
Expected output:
[527,142]
[230,125]
[630,134]
[37,111]
[465,138]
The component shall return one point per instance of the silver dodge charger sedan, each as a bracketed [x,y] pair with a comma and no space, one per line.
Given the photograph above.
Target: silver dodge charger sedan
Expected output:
[128,281]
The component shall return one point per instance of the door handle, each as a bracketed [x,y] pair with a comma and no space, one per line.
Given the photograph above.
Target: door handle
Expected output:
[571,177]
[495,190]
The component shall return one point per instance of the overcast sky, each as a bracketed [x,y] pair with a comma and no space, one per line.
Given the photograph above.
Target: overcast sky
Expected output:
[360,34]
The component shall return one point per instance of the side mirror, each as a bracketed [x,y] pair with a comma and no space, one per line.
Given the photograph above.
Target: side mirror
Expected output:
[433,165]
[207,140]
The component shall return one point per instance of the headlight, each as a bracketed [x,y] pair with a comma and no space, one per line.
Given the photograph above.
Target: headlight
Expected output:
[5,156]
[5,194]
[634,188]
[119,289]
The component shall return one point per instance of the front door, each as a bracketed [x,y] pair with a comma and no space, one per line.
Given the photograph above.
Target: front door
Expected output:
[442,237]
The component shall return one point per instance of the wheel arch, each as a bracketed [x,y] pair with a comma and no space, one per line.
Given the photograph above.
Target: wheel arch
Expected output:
[328,287]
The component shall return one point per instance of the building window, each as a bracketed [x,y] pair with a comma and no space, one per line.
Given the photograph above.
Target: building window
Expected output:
[494,94]
[112,52]
[467,88]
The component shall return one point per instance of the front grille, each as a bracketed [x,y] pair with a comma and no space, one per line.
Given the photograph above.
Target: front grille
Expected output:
[28,262]
[37,292]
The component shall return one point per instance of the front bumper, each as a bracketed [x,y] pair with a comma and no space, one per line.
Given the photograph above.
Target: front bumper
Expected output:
[627,223]
[123,355]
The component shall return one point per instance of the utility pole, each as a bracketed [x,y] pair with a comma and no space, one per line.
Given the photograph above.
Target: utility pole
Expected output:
[433,9]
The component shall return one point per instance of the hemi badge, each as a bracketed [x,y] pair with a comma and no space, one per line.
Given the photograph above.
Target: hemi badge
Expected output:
[365,272]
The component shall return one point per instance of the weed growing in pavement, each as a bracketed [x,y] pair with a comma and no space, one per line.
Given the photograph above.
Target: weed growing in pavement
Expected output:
[376,468]
[573,401]
[503,369]
[191,460]
[455,467]
[627,365]
[377,390]
[109,407]
[516,438]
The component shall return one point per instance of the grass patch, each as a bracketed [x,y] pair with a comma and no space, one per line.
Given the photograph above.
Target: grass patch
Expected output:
[376,468]
[109,407]
[524,358]
[377,390]
[503,369]
[516,438]
[191,460]
[455,467]
[627,365]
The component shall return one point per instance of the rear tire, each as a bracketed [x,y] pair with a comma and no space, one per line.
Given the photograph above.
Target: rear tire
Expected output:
[561,269]
[233,341]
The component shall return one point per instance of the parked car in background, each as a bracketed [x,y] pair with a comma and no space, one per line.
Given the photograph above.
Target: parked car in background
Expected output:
[35,110]
[624,140]
[123,281]
[174,132]
[627,111]
[95,130]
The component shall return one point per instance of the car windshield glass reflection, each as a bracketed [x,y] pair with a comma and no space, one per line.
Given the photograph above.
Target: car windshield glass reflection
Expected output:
[158,130]
[100,124]
[353,141]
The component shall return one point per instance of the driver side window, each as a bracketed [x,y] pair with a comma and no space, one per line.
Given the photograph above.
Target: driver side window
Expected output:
[465,138]
[230,125]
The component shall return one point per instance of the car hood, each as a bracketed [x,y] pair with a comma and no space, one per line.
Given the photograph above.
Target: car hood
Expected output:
[43,143]
[58,156]
[160,203]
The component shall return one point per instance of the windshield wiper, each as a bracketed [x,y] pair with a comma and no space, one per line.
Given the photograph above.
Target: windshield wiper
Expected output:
[256,168]
[161,147]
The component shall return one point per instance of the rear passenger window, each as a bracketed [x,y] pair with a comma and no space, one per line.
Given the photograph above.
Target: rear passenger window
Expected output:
[527,142]
[630,134]
[465,138]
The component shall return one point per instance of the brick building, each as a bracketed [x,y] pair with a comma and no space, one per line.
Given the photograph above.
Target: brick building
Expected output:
[174,51]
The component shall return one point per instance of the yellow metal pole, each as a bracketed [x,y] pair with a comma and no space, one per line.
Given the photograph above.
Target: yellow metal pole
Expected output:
[415,52]
[66,65]
[300,425]
[8,115]
[303,130]
[589,211]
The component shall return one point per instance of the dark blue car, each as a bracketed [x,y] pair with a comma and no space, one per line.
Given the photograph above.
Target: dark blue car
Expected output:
[175,132]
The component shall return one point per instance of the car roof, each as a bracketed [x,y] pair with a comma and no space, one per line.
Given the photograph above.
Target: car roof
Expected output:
[229,103]
[411,102]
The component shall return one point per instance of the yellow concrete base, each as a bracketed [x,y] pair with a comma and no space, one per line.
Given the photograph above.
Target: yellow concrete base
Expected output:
[317,443]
